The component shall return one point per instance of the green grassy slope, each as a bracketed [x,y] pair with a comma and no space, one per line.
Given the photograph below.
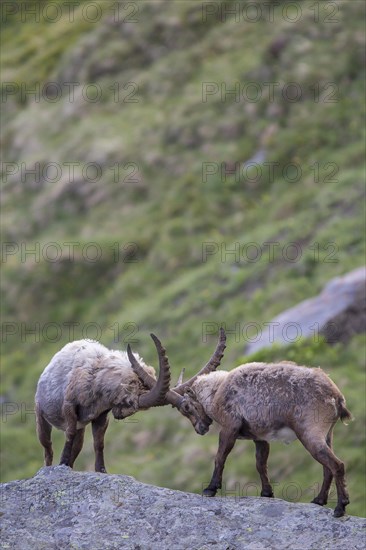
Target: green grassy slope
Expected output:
[163,228]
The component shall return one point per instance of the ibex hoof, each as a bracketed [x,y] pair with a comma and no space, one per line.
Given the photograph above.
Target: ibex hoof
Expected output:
[339,512]
[319,501]
[209,492]
[268,494]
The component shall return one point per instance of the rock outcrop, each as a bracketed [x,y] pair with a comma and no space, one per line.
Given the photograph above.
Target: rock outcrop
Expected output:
[63,509]
[337,313]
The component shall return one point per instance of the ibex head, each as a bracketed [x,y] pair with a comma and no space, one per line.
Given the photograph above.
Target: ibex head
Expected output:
[190,407]
[182,396]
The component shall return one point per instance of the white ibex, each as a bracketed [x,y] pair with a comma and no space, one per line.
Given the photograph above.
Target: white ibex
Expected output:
[84,381]
[266,402]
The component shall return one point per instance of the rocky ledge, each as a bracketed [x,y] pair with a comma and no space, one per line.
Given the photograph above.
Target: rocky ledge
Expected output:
[63,509]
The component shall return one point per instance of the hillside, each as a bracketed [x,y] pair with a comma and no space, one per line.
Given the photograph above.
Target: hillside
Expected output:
[143,214]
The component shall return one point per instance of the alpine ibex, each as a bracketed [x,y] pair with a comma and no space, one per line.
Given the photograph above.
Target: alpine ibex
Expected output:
[267,402]
[84,381]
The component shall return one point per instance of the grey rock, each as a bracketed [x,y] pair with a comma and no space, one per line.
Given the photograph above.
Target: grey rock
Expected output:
[337,313]
[63,509]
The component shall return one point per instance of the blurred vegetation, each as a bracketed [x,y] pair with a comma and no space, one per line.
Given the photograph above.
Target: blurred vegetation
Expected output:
[159,213]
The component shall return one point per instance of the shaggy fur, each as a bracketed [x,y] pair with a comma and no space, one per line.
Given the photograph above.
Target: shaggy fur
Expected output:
[81,384]
[276,401]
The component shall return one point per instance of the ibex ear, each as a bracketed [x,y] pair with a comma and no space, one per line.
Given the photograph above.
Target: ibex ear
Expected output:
[190,392]
[180,379]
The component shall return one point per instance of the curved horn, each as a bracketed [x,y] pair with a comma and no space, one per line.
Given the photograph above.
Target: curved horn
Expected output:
[159,387]
[213,363]
[171,398]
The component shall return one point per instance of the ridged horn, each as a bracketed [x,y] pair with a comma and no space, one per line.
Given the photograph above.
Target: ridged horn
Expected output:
[158,388]
[170,397]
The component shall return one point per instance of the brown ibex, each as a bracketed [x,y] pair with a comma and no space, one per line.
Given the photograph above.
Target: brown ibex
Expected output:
[267,402]
[84,381]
